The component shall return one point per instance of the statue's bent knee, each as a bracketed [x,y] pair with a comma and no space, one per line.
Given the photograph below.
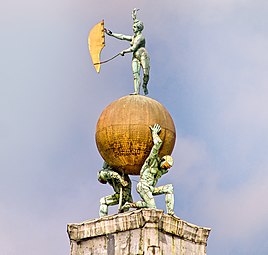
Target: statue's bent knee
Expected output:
[103,201]
[170,189]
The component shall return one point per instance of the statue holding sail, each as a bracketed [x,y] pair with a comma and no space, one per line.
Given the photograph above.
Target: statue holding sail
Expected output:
[140,58]
[122,135]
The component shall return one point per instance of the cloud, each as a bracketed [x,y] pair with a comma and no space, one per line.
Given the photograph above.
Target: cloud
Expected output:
[239,214]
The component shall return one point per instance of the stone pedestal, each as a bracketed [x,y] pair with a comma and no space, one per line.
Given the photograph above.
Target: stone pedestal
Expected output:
[138,232]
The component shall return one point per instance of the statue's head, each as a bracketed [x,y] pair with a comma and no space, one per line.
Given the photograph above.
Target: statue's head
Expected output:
[166,162]
[137,26]
[101,178]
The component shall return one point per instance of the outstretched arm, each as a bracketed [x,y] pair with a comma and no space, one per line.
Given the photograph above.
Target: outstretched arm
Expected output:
[118,36]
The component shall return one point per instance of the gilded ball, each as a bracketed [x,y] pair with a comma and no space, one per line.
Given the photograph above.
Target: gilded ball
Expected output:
[123,134]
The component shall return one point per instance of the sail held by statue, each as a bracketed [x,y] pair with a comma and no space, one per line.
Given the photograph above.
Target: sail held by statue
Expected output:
[96,42]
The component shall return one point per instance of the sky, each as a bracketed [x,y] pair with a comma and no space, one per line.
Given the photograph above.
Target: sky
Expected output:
[209,63]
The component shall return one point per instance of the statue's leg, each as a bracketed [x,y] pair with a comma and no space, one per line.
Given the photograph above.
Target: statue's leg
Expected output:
[146,194]
[138,204]
[108,201]
[170,203]
[145,63]
[168,191]
[127,200]
[136,67]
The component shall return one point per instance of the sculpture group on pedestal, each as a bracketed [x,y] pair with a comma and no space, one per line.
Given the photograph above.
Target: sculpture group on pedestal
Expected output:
[153,167]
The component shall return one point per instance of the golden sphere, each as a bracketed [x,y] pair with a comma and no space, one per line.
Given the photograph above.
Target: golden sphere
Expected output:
[123,135]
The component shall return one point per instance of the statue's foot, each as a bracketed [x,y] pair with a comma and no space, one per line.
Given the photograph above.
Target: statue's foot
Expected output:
[134,93]
[125,207]
[171,213]
[102,214]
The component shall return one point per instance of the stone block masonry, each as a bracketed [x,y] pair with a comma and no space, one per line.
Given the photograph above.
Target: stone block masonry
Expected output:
[138,232]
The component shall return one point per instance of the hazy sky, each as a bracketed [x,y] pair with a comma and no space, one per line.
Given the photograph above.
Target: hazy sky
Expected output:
[209,63]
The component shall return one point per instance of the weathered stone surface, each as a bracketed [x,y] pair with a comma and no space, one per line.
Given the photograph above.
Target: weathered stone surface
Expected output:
[144,231]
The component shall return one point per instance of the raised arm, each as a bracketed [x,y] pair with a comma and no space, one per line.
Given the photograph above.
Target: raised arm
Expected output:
[118,36]
[156,140]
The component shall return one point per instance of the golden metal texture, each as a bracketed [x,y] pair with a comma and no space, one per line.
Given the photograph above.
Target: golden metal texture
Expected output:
[123,136]
[96,42]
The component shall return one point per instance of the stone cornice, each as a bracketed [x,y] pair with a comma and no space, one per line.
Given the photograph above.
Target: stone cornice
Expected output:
[141,218]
